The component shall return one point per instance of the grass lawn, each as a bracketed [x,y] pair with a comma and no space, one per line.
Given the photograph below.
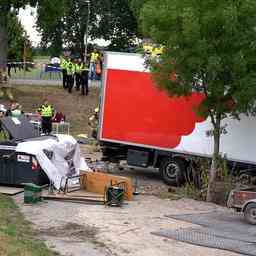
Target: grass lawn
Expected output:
[17,238]
[76,107]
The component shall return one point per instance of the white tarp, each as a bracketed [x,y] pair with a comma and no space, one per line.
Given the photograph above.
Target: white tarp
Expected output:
[65,161]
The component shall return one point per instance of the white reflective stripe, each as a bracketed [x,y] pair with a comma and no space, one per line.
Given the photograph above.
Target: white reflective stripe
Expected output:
[126,61]
[7,147]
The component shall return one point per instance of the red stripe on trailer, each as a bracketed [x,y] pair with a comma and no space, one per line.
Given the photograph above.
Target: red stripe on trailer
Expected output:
[136,111]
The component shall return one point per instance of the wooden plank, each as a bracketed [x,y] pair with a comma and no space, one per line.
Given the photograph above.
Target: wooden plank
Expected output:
[84,193]
[66,197]
[11,191]
[97,182]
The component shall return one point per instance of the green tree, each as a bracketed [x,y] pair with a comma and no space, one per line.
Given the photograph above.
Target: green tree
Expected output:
[118,25]
[211,45]
[136,6]
[5,7]
[17,40]
[50,24]
[109,19]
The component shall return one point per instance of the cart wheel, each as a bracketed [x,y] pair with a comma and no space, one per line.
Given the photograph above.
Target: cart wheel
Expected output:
[250,213]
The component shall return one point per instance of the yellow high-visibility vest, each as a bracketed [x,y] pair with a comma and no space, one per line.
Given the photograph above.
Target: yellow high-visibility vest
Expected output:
[46,110]
[148,48]
[94,56]
[158,51]
[71,69]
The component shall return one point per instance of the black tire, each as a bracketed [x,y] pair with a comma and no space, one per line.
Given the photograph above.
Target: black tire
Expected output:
[250,213]
[173,171]
[245,179]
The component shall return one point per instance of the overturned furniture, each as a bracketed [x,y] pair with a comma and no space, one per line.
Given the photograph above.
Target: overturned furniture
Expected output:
[26,157]
[93,188]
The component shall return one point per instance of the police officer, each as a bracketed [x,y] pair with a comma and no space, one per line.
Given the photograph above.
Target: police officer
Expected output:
[63,65]
[47,112]
[84,79]
[78,67]
[71,69]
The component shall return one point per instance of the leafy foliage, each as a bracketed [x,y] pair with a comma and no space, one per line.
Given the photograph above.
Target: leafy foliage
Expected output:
[17,38]
[210,46]
[110,20]
[5,7]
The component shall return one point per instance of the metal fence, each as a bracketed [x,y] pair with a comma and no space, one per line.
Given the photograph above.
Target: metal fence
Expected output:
[34,71]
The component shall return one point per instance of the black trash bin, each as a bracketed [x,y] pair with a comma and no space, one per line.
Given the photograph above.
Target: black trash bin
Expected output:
[17,168]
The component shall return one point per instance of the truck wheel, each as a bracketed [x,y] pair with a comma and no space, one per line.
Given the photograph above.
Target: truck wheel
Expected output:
[250,213]
[173,171]
[245,179]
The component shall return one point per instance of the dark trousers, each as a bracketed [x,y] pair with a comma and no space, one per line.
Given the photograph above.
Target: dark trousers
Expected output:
[84,83]
[78,81]
[46,125]
[70,80]
[64,78]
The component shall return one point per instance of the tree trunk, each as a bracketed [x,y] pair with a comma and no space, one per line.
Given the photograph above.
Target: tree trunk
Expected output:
[215,160]
[3,47]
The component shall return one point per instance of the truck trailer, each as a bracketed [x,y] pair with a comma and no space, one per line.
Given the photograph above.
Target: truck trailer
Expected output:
[142,124]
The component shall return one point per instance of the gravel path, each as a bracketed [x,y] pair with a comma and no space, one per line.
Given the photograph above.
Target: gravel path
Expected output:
[79,229]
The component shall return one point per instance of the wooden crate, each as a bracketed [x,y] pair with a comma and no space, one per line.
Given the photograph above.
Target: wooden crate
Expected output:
[96,182]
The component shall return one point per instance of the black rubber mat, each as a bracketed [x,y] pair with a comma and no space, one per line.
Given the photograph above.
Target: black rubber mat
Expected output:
[232,225]
[220,230]
[208,238]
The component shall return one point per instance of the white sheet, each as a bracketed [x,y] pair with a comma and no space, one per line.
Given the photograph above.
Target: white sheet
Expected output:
[56,168]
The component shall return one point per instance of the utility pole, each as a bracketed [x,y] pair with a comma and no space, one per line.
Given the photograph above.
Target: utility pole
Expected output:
[87,30]
[24,57]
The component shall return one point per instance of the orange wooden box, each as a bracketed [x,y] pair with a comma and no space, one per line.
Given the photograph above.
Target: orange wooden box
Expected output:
[96,182]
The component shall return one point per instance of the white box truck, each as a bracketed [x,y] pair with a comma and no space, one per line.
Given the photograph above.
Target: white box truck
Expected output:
[142,124]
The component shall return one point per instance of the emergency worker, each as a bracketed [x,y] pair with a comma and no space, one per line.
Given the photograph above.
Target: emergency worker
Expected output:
[15,110]
[148,49]
[47,112]
[158,51]
[94,122]
[84,79]
[63,64]
[93,61]
[71,69]
[78,73]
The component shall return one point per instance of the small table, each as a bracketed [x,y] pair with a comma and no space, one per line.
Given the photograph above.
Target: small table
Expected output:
[61,128]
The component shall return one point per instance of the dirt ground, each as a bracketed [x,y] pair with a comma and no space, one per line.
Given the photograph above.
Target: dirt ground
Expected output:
[79,229]
[94,230]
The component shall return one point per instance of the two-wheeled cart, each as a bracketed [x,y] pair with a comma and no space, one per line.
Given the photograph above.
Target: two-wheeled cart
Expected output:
[244,200]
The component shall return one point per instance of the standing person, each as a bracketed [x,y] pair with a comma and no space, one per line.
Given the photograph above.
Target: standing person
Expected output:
[78,67]
[94,122]
[63,65]
[99,65]
[46,111]
[93,61]
[84,79]
[15,110]
[70,75]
